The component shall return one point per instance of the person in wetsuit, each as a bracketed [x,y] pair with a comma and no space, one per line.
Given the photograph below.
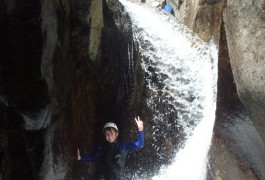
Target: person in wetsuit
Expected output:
[168,9]
[114,152]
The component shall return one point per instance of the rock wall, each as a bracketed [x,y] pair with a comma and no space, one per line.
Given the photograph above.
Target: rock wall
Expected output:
[92,54]
[64,73]
[24,98]
[244,24]
[230,155]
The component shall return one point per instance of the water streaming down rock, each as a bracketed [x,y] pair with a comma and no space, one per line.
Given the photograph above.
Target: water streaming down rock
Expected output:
[180,72]
[49,24]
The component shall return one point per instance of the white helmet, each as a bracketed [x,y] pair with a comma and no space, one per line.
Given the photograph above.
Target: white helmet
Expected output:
[110,125]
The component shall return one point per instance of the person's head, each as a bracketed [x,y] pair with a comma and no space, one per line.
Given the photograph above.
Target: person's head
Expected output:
[163,3]
[111,132]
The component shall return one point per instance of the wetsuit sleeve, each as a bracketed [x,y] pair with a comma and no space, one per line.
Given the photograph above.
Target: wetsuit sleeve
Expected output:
[90,157]
[133,146]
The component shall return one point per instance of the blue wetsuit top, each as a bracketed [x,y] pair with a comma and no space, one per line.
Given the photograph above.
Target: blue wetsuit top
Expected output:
[168,8]
[123,148]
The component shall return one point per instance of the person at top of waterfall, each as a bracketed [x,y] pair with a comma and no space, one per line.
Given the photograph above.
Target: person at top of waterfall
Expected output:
[114,152]
[168,9]
[163,5]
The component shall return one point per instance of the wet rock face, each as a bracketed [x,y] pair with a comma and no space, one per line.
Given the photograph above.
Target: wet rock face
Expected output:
[23,91]
[244,23]
[60,57]
[208,19]
[230,155]
[203,17]
[93,81]
[237,151]
[226,164]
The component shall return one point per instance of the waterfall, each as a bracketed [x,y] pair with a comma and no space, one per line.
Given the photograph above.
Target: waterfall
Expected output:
[180,75]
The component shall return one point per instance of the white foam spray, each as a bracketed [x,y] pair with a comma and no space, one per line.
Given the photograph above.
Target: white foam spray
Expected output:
[186,76]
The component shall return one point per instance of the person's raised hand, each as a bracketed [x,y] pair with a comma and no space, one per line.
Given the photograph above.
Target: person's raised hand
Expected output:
[139,123]
[78,157]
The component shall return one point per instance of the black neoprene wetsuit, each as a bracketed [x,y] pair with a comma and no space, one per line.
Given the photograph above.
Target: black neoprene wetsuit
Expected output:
[114,155]
[114,161]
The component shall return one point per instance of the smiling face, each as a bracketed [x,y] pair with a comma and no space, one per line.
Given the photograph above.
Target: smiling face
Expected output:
[111,135]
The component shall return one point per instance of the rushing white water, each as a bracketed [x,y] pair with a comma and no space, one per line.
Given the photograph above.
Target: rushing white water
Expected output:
[181,75]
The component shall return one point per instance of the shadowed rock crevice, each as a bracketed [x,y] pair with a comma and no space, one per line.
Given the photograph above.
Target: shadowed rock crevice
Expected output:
[234,133]
[23,92]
